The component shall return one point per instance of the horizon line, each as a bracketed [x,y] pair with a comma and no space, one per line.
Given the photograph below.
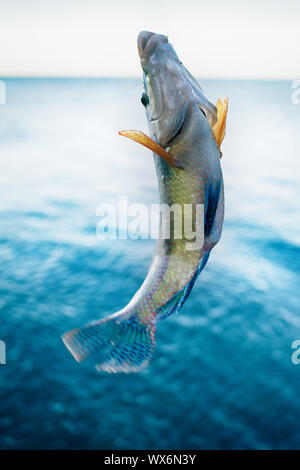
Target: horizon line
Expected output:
[120,77]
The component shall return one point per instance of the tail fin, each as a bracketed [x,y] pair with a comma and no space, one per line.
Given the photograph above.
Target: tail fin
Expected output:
[122,342]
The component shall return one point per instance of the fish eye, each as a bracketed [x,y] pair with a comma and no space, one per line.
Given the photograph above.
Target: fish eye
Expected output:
[145,99]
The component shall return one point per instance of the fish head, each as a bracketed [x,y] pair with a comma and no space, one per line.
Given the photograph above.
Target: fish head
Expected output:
[168,88]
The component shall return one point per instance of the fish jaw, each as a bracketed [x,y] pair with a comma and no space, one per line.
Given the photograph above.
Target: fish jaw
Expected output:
[169,87]
[147,41]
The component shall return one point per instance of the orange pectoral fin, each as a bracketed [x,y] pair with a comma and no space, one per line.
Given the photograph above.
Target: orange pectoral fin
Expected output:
[143,139]
[219,128]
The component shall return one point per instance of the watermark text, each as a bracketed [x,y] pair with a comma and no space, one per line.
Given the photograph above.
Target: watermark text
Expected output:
[2,353]
[2,92]
[296,354]
[296,93]
[160,221]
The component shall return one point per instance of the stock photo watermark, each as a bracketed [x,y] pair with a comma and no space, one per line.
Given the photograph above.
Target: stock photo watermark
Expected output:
[160,221]
[2,353]
[295,358]
[2,92]
[296,93]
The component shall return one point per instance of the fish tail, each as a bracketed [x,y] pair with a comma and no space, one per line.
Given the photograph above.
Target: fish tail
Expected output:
[119,343]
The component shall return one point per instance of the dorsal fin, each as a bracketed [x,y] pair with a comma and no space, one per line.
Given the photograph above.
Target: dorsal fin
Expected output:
[219,128]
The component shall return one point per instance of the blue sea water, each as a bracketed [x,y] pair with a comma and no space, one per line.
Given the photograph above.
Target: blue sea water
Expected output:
[221,376]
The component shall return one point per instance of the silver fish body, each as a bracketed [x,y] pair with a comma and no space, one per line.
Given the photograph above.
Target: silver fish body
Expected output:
[180,119]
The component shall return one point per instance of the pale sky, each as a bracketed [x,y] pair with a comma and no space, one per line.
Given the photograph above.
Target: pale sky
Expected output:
[95,38]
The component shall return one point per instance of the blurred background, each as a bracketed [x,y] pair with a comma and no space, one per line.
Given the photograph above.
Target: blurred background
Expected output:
[221,376]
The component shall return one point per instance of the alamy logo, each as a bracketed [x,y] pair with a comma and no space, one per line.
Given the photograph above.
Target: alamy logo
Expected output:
[296,93]
[2,352]
[176,222]
[296,354]
[2,92]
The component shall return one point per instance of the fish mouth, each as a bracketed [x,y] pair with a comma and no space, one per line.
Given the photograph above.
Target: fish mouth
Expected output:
[148,41]
[157,118]
[143,40]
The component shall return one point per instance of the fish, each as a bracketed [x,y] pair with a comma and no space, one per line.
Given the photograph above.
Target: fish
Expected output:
[186,131]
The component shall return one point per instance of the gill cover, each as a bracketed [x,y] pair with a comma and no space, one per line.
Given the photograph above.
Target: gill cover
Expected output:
[219,130]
